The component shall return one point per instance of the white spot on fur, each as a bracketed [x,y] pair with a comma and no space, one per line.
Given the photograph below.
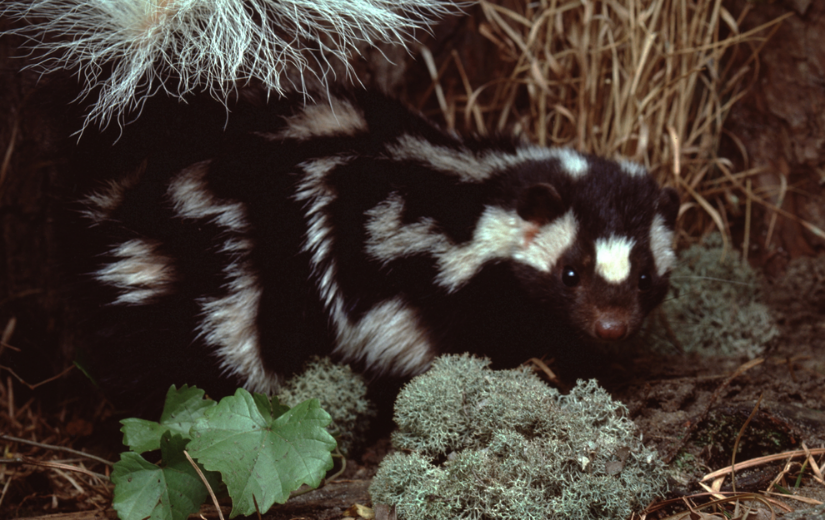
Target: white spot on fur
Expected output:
[496,235]
[661,239]
[613,258]
[142,274]
[574,163]
[549,243]
[340,117]
[472,167]
[192,199]
[631,168]
[388,339]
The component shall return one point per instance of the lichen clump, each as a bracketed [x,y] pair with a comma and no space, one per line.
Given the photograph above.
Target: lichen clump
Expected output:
[714,305]
[341,392]
[486,444]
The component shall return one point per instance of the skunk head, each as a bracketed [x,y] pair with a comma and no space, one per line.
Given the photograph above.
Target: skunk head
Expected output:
[595,243]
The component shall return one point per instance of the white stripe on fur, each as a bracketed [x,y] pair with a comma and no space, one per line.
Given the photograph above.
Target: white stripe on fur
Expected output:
[191,198]
[339,117]
[141,273]
[499,234]
[549,243]
[661,240]
[314,193]
[632,168]
[100,204]
[496,235]
[388,339]
[229,322]
[471,167]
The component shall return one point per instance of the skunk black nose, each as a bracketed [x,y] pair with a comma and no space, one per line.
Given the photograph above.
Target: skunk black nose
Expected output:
[610,326]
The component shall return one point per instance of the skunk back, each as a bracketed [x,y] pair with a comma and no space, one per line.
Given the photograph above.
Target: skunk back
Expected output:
[226,253]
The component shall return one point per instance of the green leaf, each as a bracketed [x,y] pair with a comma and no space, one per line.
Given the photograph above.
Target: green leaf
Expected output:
[260,455]
[81,364]
[141,435]
[182,408]
[264,404]
[172,491]
[270,407]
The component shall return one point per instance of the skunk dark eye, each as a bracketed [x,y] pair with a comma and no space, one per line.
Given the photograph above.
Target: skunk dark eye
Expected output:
[645,282]
[569,276]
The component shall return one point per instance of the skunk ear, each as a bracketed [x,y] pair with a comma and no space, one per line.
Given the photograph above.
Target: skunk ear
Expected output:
[540,204]
[668,205]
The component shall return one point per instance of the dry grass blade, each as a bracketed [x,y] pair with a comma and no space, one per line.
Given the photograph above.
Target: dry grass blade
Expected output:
[695,512]
[762,460]
[33,442]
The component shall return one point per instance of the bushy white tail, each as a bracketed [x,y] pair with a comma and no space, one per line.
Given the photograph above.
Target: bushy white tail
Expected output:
[178,46]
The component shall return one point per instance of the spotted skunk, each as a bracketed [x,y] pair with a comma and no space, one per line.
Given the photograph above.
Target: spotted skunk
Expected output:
[229,251]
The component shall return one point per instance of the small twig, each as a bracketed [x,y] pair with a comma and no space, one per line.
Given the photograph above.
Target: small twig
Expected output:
[714,397]
[257,509]
[429,61]
[340,471]
[70,480]
[748,211]
[6,487]
[4,166]
[736,445]
[208,487]
[7,333]
[781,474]
[33,386]
[551,376]
[55,448]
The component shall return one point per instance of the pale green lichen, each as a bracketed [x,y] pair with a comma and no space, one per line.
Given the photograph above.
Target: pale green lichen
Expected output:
[714,305]
[487,444]
[341,392]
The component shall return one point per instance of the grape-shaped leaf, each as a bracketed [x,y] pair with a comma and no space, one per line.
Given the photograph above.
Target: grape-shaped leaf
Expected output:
[171,491]
[260,455]
[182,408]
[269,407]
[141,435]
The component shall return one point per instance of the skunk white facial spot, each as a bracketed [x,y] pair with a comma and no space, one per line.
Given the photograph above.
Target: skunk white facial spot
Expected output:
[613,258]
